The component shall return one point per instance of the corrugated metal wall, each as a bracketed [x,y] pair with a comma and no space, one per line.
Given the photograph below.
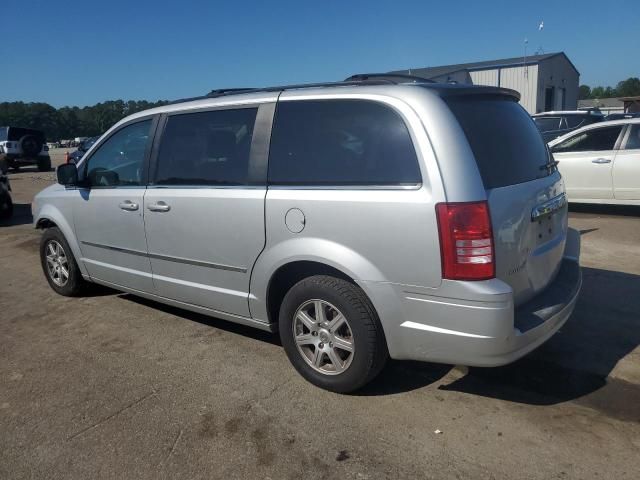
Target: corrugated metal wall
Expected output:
[485,77]
[522,79]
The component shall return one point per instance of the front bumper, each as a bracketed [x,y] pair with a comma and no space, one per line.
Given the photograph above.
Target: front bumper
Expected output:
[486,330]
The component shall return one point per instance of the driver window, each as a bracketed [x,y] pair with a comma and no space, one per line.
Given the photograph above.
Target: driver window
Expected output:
[119,161]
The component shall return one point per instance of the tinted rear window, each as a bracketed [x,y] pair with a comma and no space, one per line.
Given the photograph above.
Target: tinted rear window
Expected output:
[341,142]
[504,139]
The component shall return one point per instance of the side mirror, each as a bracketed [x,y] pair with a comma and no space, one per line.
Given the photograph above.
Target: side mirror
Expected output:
[67,174]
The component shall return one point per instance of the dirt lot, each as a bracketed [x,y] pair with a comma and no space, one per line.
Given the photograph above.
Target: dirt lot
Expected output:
[111,386]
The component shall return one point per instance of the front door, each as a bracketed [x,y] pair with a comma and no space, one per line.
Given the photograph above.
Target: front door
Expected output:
[586,162]
[626,169]
[108,213]
[204,212]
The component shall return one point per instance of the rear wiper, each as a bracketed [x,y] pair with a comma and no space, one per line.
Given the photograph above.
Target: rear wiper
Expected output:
[549,166]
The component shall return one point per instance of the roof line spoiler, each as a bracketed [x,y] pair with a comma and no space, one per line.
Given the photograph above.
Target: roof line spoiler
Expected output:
[474,90]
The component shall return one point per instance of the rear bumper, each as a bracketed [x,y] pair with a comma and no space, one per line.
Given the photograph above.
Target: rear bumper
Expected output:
[484,329]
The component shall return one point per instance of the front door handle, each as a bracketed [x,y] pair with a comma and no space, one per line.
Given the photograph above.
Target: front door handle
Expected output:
[129,206]
[159,207]
[601,160]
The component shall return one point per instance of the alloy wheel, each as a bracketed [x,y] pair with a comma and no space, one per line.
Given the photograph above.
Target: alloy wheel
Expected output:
[57,263]
[323,337]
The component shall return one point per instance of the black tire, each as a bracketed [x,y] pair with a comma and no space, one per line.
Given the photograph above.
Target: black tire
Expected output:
[6,206]
[4,165]
[14,166]
[370,349]
[75,284]
[44,164]
[30,145]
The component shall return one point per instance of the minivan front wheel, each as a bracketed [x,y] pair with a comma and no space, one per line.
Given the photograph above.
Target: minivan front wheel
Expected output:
[331,333]
[58,264]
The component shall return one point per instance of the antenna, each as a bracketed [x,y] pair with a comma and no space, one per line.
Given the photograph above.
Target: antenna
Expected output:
[524,58]
[540,28]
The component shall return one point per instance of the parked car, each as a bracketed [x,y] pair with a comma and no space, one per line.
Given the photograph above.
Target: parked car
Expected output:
[600,163]
[6,204]
[23,146]
[363,220]
[555,124]
[83,148]
[621,116]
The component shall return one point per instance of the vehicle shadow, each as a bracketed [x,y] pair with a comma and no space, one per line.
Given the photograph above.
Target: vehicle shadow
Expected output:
[597,209]
[220,324]
[577,361]
[21,215]
[573,365]
[28,169]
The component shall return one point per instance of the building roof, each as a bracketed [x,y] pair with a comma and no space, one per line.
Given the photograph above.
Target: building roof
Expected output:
[432,72]
[600,102]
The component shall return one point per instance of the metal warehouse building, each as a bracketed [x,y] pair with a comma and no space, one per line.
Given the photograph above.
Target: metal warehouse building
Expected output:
[545,82]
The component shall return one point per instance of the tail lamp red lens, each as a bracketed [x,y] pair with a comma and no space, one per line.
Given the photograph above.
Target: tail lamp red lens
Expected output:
[466,241]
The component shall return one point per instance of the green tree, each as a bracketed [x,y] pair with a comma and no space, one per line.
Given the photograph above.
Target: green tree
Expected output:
[629,87]
[584,92]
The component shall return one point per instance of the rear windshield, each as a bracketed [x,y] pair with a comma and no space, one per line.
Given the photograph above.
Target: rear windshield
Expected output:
[547,124]
[506,143]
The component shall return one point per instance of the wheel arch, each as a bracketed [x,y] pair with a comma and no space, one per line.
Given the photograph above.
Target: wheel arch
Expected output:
[51,217]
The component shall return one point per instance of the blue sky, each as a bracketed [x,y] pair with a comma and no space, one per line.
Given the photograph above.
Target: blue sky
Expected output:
[84,52]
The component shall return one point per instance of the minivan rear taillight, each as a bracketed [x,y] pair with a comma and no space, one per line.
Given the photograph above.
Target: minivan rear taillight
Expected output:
[466,241]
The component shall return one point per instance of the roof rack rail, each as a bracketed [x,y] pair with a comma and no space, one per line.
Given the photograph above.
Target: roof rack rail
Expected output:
[389,77]
[236,91]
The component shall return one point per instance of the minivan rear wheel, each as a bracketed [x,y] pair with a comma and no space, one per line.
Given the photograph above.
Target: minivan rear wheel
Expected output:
[331,333]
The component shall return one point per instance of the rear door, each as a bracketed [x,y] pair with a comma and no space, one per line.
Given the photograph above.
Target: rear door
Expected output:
[107,211]
[626,167]
[586,162]
[204,211]
[520,183]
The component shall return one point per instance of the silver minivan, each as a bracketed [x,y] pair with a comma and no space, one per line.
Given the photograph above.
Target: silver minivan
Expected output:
[362,220]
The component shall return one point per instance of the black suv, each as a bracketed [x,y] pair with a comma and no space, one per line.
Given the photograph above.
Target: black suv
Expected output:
[23,146]
[555,124]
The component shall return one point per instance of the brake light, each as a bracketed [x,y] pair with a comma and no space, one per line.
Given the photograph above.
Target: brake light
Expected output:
[466,241]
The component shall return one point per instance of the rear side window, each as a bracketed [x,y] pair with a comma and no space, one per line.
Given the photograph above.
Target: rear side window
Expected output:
[341,142]
[547,124]
[506,144]
[633,142]
[206,148]
[574,121]
[594,140]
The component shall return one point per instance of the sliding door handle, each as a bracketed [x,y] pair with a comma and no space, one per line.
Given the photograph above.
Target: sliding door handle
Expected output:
[159,207]
[129,206]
